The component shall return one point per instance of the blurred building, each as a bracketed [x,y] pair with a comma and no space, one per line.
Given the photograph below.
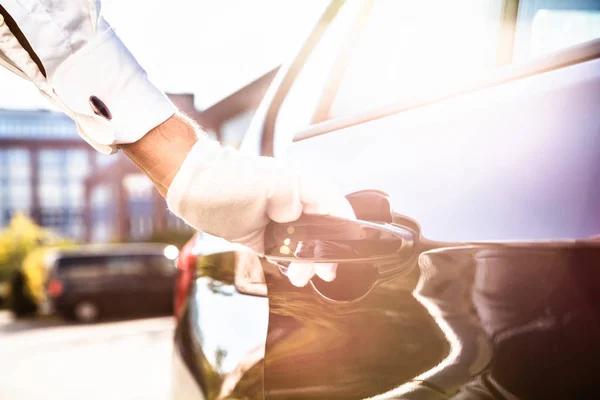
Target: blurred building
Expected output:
[43,163]
[229,118]
[49,173]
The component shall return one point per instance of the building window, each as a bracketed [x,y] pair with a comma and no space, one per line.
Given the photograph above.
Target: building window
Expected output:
[101,212]
[61,189]
[15,183]
[102,160]
[51,178]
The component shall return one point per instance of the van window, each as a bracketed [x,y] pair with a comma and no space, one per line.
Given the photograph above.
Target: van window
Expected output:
[96,266]
[81,267]
[126,265]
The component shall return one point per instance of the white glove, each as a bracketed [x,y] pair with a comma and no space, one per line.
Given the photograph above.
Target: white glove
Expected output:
[231,195]
[81,67]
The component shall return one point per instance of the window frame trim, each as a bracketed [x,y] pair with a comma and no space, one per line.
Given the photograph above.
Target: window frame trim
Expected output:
[504,51]
[578,54]
[267,136]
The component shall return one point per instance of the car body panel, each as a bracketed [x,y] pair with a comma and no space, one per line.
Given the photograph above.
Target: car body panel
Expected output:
[526,318]
[223,330]
[523,319]
[513,161]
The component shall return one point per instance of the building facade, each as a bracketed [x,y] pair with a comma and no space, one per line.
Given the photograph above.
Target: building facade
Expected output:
[43,164]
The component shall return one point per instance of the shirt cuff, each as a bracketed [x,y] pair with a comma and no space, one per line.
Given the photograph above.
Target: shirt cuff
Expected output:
[109,93]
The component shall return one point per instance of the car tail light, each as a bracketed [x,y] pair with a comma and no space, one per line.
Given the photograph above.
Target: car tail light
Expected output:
[186,264]
[55,287]
[186,259]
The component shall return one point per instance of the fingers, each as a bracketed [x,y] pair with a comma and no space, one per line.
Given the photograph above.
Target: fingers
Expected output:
[326,272]
[342,209]
[300,274]
[289,200]
[255,241]
[320,198]
[284,203]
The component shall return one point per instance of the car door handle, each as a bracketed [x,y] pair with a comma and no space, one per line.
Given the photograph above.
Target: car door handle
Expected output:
[318,238]
[327,239]
[368,250]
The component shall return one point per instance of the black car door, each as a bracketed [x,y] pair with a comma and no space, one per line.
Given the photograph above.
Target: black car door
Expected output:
[509,157]
[471,153]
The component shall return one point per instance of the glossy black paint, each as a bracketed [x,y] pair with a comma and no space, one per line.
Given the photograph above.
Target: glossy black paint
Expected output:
[464,319]
[523,319]
[458,320]
[487,320]
[221,333]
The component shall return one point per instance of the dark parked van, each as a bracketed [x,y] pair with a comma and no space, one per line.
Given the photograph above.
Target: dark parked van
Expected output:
[96,281]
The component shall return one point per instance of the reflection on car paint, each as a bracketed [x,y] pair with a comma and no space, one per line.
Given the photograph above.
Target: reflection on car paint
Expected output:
[469,322]
[222,331]
[487,320]
[225,343]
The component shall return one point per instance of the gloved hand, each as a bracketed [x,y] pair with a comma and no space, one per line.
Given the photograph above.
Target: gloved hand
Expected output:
[231,195]
[76,60]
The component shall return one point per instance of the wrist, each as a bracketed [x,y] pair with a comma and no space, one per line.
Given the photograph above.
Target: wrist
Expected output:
[162,151]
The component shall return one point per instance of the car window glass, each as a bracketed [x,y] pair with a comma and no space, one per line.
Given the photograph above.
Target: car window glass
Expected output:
[408,50]
[404,50]
[81,267]
[556,29]
[548,26]
[125,265]
[300,103]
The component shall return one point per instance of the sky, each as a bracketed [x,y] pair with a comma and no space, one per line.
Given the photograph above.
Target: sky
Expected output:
[207,47]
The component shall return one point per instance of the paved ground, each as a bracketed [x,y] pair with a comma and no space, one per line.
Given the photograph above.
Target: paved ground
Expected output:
[49,359]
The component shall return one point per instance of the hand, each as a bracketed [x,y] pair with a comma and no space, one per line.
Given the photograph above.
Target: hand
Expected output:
[77,61]
[231,195]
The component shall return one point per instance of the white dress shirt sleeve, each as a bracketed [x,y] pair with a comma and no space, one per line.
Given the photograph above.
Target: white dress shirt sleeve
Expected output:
[77,60]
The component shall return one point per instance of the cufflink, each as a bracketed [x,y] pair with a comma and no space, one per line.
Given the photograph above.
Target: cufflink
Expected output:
[100,108]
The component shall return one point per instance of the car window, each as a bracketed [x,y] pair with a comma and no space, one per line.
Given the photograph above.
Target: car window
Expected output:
[95,266]
[125,265]
[548,26]
[556,29]
[409,50]
[401,50]
[300,103]
[81,267]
